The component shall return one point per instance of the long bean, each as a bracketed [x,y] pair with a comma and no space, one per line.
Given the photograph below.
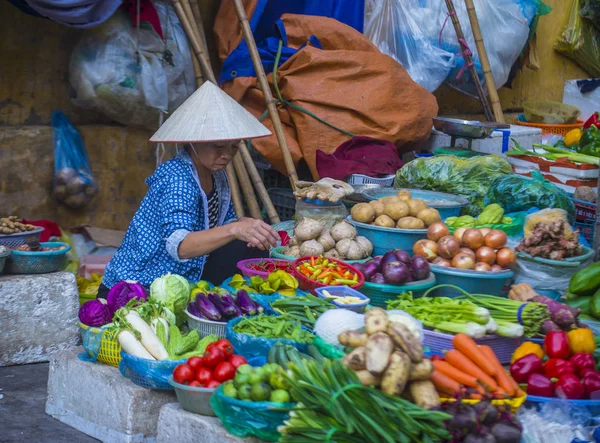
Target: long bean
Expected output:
[270,326]
[305,309]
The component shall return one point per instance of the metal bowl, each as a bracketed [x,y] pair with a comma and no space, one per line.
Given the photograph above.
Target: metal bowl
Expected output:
[462,128]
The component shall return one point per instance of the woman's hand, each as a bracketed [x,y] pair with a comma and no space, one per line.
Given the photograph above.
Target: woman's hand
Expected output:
[254,232]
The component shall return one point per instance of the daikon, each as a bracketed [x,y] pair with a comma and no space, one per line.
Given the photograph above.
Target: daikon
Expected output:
[133,346]
[148,338]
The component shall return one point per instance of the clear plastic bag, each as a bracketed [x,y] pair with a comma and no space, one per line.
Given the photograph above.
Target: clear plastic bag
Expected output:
[516,193]
[542,276]
[470,177]
[250,419]
[580,41]
[252,348]
[74,185]
[394,27]
[108,76]
[328,215]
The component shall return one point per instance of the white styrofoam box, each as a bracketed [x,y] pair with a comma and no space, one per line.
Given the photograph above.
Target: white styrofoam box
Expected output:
[564,182]
[587,103]
[498,143]
[571,173]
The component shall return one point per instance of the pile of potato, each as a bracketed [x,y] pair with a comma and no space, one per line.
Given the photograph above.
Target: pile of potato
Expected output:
[311,238]
[389,356]
[396,211]
[73,188]
[12,225]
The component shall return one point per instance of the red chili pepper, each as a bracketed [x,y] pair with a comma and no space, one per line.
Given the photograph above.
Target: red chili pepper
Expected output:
[556,345]
[556,367]
[582,361]
[569,386]
[593,120]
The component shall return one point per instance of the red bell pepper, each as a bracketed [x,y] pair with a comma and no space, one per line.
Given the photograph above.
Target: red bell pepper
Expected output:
[540,385]
[586,371]
[556,345]
[593,120]
[591,385]
[582,361]
[569,386]
[525,366]
[556,367]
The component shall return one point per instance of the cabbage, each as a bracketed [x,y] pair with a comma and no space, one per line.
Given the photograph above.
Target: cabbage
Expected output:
[174,291]
[120,294]
[94,313]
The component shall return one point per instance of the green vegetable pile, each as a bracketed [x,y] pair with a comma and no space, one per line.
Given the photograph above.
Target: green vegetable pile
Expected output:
[266,383]
[179,346]
[491,216]
[334,406]
[278,281]
[584,292]
[305,309]
[269,326]
[284,354]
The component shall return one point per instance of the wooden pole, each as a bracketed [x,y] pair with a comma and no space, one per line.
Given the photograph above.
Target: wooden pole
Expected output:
[266,90]
[236,196]
[469,62]
[485,62]
[246,187]
[197,70]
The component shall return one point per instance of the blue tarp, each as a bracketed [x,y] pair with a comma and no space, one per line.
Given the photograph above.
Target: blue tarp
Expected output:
[268,30]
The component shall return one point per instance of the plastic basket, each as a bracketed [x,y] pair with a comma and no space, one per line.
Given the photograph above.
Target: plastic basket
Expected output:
[194,399]
[206,327]
[149,374]
[38,262]
[550,112]
[360,179]
[110,348]
[3,257]
[30,238]
[244,266]
[514,403]
[380,294]
[474,282]
[561,130]
[593,406]
[503,347]
[342,291]
[284,202]
[310,285]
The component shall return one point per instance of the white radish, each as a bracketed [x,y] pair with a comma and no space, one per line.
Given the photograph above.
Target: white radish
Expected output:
[149,339]
[154,324]
[132,345]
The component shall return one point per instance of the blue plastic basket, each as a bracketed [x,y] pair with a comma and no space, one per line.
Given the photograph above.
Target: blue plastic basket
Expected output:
[448,205]
[380,293]
[3,257]
[593,406]
[474,282]
[384,239]
[149,374]
[342,291]
[38,262]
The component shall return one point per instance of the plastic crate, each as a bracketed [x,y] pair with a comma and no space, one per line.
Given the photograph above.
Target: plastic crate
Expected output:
[206,327]
[587,230]
[586,211]
[13,241]
[38,262]
[93,264]
[360,179]
[504,347]
[274,179]
[284,202]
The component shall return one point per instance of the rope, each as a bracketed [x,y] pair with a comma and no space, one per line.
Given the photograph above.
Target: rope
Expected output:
[466,50]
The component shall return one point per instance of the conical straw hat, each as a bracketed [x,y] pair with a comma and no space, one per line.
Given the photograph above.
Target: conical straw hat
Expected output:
[209,114]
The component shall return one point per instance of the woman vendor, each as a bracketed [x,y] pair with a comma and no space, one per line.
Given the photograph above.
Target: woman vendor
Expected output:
[186,223]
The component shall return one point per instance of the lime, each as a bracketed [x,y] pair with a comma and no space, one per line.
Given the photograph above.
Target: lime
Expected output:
[229,390]
[244,369]
[280,396]
[244,392]
[269,368]
[278,381]
[240,379]
[257,375]
[260,392]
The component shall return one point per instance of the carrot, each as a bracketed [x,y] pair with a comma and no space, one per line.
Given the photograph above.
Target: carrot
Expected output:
[503,379]
[444,384]
[461,362]
[466,345]
[450,371]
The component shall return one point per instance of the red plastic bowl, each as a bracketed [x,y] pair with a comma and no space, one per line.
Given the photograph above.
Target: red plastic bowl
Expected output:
[244,266]
[307,284]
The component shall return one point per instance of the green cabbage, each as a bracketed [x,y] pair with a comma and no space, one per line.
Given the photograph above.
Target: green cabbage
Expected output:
[174,291]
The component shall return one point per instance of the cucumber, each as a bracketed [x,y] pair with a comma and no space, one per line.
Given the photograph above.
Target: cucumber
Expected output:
[314,352]
[293,355]
[282,357]
[272,352]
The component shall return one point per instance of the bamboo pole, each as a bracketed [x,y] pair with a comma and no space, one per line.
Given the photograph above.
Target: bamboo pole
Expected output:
[258,184]
[485,62]
[197,70]
[246,187]
[469,62]
[236,196]
[266,90]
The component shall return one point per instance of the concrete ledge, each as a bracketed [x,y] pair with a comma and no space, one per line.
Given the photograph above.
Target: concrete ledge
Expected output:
[98,401]
[38,316]
[177,425]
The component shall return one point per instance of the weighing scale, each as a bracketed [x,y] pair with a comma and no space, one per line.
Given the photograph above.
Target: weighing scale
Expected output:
[468,130]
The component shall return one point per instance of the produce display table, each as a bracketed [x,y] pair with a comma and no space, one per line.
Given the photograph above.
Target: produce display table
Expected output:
[177,425]
[38,316]
[96,400]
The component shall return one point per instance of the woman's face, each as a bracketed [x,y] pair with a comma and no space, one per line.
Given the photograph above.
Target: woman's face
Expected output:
[215,156]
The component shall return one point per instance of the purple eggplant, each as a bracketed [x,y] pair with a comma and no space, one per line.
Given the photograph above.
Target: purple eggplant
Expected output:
[193,309]
[228,300]
[208,310]
[245,303]
[225,308]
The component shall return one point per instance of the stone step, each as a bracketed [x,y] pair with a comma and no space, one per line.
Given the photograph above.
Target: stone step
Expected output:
[38,316]
[98,401]
[177,425]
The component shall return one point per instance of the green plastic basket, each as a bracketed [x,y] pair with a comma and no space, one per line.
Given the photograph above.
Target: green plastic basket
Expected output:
[379,294]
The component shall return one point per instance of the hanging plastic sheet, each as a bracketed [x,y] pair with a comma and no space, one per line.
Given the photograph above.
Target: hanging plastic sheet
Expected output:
[75,13]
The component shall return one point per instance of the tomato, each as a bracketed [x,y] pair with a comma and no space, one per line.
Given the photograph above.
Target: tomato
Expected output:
[195,362]
[211,346]
[203,376]
[224,371]
[213,384]
[183,374]
[225,346]
[212,357]
[237,360]
[196,384]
